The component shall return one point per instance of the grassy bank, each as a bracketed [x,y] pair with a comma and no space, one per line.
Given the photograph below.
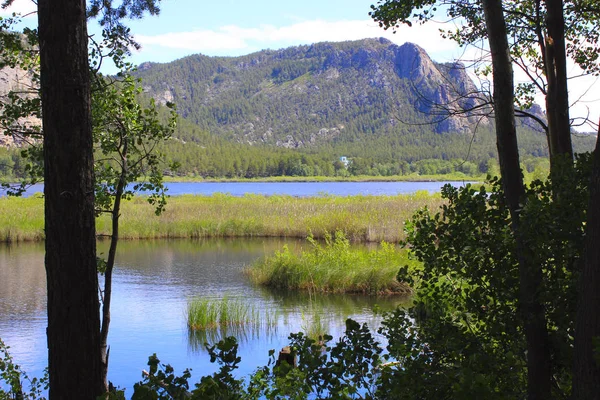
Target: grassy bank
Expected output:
[361,218]
[455,176]
[334,267]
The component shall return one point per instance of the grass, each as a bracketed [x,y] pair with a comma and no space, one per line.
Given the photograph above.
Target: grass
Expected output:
[334,267]
[414,177]
[21,219]
[360,218]
[210,320]
[204,313]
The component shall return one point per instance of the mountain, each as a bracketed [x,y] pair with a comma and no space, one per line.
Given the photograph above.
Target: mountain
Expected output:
[389,109]
[304,96]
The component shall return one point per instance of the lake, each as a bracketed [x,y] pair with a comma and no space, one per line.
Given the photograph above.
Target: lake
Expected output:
[153,281]
[300,189]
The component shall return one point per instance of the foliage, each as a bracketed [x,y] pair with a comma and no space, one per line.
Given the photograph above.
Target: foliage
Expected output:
[468,339]
[126,135]
[346,369]
[12,378]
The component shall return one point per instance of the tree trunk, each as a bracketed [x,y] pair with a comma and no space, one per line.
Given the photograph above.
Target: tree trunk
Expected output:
[586,372]
[557,98]
[72,282]
[110,264]
[539,376]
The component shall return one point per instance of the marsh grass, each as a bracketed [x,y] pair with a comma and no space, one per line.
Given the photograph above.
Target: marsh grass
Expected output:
[360,218]
[210,320]
[334,267]
[226,312]
[21,219]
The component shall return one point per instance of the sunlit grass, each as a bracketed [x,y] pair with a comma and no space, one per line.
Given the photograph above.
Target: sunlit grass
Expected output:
[205,313]
[360,218]
[334,267]
[21,219]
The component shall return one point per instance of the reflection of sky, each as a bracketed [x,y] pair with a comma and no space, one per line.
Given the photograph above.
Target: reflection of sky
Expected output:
[152,283]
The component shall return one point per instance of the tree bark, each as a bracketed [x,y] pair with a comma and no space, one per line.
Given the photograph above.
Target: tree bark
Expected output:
[586,371]
[72,282]
[557,98]
[539,375]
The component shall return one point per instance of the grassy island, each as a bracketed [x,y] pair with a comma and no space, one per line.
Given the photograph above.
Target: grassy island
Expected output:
[334,267]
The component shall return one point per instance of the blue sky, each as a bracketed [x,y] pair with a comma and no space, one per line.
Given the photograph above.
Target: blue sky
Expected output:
[236,27]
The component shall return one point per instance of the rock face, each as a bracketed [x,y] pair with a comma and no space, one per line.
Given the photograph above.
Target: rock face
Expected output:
[19,82]
[307,95]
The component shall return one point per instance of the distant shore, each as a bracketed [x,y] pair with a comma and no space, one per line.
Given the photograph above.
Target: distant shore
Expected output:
[455,177]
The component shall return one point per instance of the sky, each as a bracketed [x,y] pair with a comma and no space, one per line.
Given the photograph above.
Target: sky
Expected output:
[238,27]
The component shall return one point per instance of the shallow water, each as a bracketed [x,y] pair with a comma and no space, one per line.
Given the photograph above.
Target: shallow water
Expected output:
[153,281]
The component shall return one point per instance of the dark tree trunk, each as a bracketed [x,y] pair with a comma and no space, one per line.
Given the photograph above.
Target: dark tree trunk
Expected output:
[586,373]
[557,98]
[72,281]
[539,376]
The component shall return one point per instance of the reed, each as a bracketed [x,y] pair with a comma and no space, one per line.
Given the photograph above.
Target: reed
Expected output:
[360,218]
[205,313]
[334,267]
[21,219]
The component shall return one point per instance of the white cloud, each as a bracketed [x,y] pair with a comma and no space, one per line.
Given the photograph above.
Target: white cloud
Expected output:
[23,7]
[239,40]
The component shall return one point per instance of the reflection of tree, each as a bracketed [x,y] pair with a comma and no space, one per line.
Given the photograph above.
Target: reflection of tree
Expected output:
[197,339]
[22,280]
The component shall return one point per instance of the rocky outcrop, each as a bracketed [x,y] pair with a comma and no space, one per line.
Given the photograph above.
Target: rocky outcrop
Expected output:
[298,96]
[18,82]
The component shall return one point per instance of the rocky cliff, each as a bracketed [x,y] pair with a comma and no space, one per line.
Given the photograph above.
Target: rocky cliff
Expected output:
[310,95]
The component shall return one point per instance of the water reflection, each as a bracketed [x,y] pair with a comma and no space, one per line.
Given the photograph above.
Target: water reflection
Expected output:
[153,281]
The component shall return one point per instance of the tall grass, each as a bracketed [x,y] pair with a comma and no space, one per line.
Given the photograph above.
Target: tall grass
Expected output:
[21,219]
[334,267]
[210,320]
[360,218]
[204,313]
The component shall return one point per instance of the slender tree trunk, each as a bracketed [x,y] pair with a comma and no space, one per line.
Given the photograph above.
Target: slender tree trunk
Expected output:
[586,371]
[73,307]
[110,263]
[557,99]
[539,376]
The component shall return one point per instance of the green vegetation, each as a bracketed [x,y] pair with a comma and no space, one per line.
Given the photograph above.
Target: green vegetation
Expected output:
[361,218]
[206,313]
[334,267]
[212,319]
[21,219]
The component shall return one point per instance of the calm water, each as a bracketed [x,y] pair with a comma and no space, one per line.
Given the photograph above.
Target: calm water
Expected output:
[153,281]
[300,189]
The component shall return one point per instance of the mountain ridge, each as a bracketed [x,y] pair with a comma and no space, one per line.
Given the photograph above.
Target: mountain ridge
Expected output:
[300,96]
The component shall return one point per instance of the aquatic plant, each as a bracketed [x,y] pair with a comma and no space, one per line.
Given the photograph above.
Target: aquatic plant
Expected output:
[207,313]
[334,267]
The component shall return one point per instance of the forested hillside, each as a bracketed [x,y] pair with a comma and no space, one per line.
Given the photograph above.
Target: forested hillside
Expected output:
[296,111]
[379,104]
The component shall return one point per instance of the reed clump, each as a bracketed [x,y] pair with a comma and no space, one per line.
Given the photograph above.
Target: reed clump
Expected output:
[334,267]
[226,312]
